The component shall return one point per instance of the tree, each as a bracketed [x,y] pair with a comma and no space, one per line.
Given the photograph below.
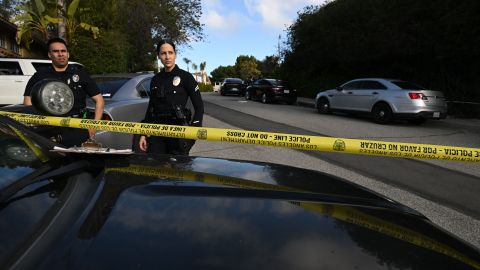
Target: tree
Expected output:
[205,78]
[195,67]
[33,19]
[187,61]
[69,20]
[37,17]
[270,66]
[247,67]
[7,9]
[146,22]
[223,72]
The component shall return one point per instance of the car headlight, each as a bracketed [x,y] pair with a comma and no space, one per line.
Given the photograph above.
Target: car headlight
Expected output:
[52,97]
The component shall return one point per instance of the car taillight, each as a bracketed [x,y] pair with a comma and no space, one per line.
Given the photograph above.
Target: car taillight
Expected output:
[414,95]
[277,90]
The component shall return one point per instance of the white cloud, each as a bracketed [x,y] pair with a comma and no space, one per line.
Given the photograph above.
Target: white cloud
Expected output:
[221,19]
[277,14]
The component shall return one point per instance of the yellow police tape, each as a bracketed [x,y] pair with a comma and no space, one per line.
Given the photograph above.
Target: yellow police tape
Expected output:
[318,143]
[340,212]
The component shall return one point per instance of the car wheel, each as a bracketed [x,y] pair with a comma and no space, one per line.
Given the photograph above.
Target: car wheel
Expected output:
[265,98]
[417,121]
[247,96]
[323,106]
[382,114]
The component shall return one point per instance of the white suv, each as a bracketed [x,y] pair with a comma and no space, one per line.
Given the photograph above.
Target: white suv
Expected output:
[14,75]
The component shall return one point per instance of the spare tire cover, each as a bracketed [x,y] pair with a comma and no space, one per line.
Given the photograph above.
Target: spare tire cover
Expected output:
[52,97]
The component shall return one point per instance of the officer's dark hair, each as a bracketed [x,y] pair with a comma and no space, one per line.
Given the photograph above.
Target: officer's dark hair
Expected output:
[165,41]
[56,40]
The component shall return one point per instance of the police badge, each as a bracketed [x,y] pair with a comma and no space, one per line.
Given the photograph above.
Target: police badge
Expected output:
[176,81]
[75,78]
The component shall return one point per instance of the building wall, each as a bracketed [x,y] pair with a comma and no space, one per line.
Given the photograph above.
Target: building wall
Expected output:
[10,48]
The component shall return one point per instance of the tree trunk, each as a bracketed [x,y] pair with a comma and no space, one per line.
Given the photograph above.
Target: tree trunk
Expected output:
[62,31]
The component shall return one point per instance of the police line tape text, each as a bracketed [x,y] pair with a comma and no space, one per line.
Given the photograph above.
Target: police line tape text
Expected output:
[266,136]
[418,149]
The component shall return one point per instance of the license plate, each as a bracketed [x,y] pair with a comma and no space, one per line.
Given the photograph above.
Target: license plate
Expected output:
[234,89]
[286,91]
[436,114]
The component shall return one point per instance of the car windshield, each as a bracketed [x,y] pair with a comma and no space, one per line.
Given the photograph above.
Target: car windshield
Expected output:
[109,85]
[407,85]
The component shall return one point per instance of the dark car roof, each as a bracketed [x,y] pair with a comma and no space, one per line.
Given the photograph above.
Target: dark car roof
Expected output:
[176,212]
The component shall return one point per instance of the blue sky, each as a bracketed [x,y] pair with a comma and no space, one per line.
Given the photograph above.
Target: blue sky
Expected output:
[241,27]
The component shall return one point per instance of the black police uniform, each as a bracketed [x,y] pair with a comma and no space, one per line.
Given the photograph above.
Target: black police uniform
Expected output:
[82,85]
[169,92]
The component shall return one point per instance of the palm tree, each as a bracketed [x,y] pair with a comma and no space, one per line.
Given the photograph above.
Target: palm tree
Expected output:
[33,18]
[194,66]
[205,78]
[187,61]
[69,22]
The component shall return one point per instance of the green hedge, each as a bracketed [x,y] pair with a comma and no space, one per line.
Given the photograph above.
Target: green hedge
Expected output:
[205,87]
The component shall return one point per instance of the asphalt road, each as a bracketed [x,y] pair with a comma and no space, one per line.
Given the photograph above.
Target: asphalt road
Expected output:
[446,187]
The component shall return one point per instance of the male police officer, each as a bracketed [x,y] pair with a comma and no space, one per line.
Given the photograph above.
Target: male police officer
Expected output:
[80,83]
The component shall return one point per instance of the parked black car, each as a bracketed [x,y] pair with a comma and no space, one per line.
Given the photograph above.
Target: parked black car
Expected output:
[143,211]
[232,86]
[271,90]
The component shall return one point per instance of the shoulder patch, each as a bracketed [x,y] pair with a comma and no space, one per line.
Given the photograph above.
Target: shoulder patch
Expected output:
[197,88]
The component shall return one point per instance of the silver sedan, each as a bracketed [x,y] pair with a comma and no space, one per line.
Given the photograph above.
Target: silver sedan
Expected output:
[126,99]
[384,100]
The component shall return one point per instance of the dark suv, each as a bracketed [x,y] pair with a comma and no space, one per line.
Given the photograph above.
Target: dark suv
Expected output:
[232,86]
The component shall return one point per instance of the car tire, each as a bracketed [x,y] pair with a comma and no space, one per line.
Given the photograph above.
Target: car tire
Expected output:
[323,106]
[247,96]
[265,99]
[382,114]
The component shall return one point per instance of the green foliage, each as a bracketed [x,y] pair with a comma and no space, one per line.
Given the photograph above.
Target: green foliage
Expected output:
[146,22]
[205,87]
[7,9]
[102,55]
[247,67]
[223,72]
[432,43]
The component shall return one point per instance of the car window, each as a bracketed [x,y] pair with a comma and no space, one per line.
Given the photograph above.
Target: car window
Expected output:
[407,85]
[276,82]
[373,85]
[10,68]
[108,86]
[353,85]
[41,66]
[234,81]
[143,88]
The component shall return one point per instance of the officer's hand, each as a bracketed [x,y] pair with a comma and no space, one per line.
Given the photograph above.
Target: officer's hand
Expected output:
[143,143]
[91,132]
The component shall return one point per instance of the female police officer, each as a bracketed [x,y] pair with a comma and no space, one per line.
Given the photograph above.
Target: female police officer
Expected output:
[169,91]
